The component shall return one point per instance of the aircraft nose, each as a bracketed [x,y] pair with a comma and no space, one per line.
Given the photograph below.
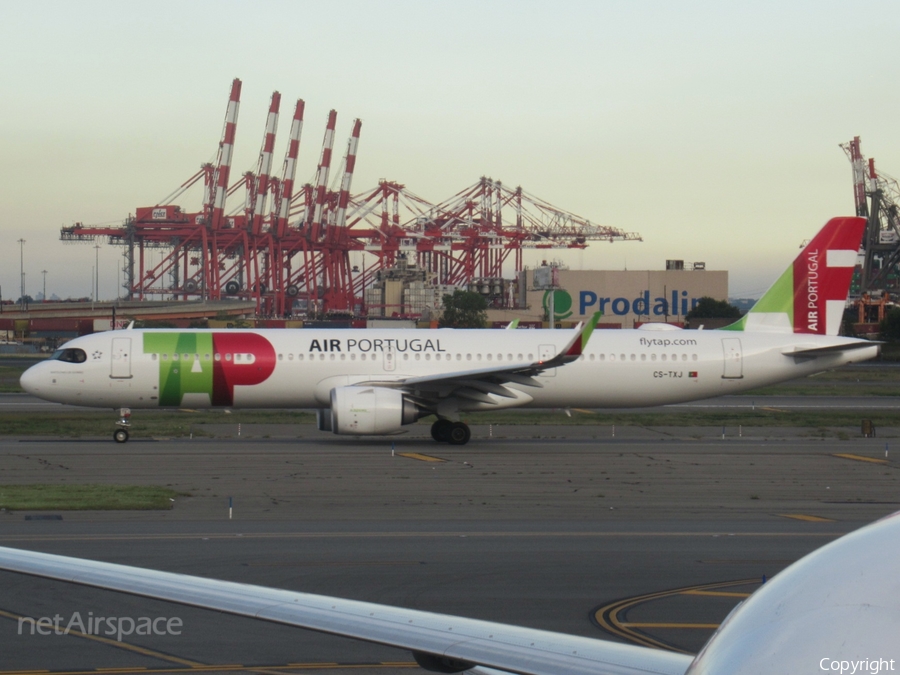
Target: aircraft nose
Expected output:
[30,380]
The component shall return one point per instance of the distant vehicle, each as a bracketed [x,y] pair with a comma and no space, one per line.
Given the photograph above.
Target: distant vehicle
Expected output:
[375,381]
[835,610]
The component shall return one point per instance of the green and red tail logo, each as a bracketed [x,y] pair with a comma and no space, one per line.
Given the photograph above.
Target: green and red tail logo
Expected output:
[810,296]
[208,363]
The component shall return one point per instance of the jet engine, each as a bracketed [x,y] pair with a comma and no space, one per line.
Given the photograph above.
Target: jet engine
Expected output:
[368,410]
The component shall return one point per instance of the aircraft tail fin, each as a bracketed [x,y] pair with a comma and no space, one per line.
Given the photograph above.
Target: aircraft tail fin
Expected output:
[810,296]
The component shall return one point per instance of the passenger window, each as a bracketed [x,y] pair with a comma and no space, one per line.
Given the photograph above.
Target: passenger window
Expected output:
[612,357]
[217,357]
[153,357]
[165,357]
[428,357]
[206,357]
[228,357]
[603,357]
[490,357]
[663,357]
[643,357]
[653,357]
[591,357]
[693,357]
[343,357]
[281,357]
[174,357]
[519,356]
[632,357]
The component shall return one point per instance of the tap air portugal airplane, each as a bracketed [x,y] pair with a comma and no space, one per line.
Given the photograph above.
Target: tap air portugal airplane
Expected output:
[373,382]
[837,610]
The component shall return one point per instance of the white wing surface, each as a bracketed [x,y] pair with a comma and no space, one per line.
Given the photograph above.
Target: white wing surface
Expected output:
[436,640]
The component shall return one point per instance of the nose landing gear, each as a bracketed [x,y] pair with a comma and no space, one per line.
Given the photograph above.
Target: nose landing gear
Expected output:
[454,433]
[120,435]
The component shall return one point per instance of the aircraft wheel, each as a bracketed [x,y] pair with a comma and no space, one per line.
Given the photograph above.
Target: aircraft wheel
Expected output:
[440,430]
[459,433]
[120,435]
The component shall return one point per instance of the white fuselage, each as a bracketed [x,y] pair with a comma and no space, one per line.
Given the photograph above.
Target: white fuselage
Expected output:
[619,368]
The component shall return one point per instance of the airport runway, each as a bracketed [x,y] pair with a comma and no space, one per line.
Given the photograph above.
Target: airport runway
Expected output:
[538,526]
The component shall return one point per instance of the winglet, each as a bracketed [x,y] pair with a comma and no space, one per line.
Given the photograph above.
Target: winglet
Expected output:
[579,342]
[512,325]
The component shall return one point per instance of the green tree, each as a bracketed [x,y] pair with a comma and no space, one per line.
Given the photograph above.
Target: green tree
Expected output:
[710,308]
[890,326]
[464,309]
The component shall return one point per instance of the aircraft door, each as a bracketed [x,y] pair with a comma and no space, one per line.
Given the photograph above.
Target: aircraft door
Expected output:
[121,358]
[734,363]
[545,353]
[390,360]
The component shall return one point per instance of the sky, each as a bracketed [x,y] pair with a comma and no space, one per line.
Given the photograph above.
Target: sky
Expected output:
[710,128]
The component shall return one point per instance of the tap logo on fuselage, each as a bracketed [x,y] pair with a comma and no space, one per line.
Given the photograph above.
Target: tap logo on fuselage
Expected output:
[209,363]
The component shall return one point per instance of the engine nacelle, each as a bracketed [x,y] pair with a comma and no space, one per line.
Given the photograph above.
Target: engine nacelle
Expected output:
[370,410]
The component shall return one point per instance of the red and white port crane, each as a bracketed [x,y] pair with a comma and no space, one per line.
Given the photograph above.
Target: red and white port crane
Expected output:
[300,248]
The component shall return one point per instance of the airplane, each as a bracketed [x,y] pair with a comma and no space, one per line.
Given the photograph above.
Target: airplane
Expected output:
[835,610]
[373,382]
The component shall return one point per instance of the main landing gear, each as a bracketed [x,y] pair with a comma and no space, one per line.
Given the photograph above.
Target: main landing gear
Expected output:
[454,433]
[120,435]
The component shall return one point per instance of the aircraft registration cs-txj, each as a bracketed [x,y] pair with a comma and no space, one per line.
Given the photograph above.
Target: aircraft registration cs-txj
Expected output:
[373,382]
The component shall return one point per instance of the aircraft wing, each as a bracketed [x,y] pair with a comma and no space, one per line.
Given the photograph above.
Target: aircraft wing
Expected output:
[438,641]
[477,383]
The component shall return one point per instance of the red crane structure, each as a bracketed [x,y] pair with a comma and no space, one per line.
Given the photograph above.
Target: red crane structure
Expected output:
[300,249]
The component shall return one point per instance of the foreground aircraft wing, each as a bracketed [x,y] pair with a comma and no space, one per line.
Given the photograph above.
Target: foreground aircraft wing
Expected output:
[438,641]
[477,383]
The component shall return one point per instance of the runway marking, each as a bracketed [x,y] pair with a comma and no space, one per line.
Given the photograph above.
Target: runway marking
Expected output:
[718,594]
[420,457]
[806,518]
[859,458]
[391,535]
[671,624]
[770,409]
[231,667]
[114,643]
[332,563]
[611,617]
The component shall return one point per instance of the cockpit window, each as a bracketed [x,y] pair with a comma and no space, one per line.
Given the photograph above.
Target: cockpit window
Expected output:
[69,355]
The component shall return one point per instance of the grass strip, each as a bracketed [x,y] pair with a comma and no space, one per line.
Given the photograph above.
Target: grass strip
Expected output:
[144,424]
[691,418]
[173,424]
[46,497]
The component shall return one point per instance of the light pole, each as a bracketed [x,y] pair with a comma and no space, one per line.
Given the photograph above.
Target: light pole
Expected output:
[44,272]
[22,272]
[97,272]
